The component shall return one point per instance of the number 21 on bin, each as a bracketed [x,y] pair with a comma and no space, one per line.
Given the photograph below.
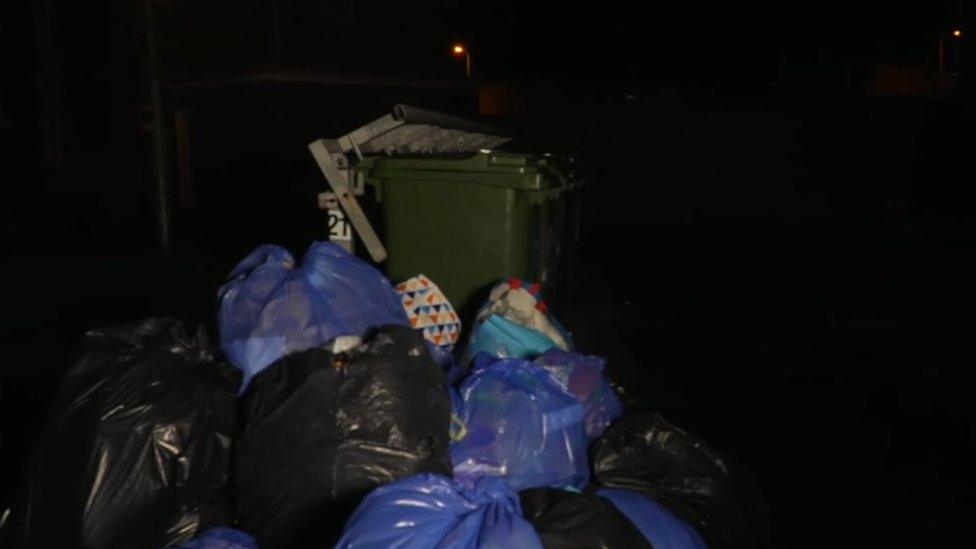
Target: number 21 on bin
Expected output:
[339,226]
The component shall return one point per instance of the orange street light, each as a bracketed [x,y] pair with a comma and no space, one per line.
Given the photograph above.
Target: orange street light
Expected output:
[460,50]
[955,33]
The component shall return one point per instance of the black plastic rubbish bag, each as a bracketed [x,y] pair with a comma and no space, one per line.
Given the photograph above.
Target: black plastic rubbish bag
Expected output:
[573,520]
[644,452]
[220,538]
[321,430]
[136,451]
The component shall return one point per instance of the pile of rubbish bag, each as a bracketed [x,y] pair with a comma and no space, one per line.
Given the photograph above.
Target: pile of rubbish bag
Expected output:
[340,410]
[137,447]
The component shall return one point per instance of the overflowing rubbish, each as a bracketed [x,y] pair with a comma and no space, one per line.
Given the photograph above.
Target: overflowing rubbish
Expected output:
[347,414]
[430,312]
[570,520]
[271,307]
[658,525]
[136,451]
[521,425]
[321,429]
[220,538]
[583,377]
[433,511]
[514,323]
[644,452]
[499,336]
[521,303]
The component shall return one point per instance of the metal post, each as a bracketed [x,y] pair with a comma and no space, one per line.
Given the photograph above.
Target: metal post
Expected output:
[275,33]
[184,158]
[49,98]
[158,135]
[942,77]
[467,63]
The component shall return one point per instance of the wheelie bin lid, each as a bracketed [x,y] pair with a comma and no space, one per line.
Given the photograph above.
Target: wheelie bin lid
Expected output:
[493,168]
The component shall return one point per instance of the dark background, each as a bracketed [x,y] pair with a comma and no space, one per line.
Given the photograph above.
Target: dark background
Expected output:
[778,233]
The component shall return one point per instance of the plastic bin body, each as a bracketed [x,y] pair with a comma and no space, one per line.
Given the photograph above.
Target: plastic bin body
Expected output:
[468,222]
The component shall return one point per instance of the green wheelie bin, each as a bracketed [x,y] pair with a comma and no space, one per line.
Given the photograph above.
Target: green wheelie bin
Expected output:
[468,221]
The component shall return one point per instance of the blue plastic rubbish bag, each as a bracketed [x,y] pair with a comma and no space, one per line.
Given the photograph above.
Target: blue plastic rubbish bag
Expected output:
[270,307]
[519,424]
[659,525]
[582,376]
[429,510]
[220,538]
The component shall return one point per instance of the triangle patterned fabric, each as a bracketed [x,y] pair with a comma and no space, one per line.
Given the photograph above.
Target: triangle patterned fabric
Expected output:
[429,311]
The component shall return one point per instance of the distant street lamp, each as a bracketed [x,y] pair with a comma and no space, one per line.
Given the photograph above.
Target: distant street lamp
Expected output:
[955,33]
[460,50]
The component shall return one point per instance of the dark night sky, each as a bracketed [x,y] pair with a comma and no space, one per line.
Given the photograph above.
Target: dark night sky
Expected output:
[647,40]
[654,42]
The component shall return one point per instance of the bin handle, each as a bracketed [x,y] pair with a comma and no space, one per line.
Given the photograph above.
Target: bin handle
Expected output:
[336,175]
